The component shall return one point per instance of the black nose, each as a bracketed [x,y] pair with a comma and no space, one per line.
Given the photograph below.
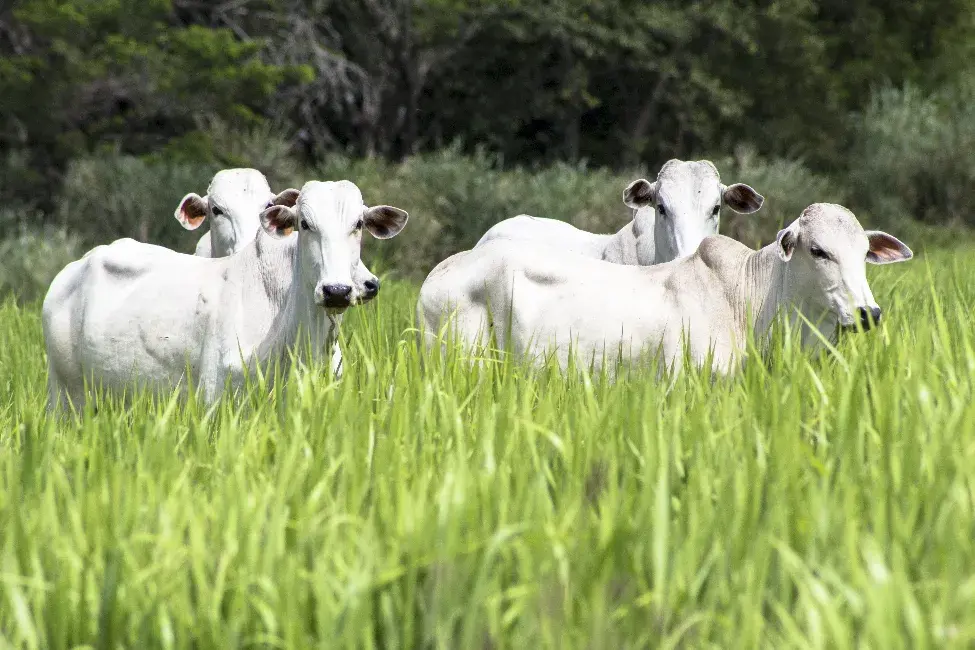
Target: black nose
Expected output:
[336,290]
[336,295]
[869,316]
[372,288]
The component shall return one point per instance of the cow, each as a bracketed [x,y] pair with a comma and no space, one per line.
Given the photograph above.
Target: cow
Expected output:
[670,218]
[130,314]
[233,203]
[542,302]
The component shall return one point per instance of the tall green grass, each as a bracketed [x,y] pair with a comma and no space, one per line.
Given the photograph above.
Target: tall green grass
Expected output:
[813,501]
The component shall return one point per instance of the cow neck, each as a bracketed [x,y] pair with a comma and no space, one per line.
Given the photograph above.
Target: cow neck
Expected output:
[770,286]
[297,318]
[622,247]
[761,290]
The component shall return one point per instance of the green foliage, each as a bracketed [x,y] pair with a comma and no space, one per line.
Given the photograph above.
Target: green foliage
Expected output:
[611,83]
[813,501]
[91,74]
[788,187]
[30,259]
[913,154]
[454,199]
[216,144]
[110,197]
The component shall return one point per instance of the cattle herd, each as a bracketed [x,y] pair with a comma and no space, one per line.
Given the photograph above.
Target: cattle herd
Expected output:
[274,274]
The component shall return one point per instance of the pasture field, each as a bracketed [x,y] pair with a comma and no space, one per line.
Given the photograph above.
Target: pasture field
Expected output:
[822,501]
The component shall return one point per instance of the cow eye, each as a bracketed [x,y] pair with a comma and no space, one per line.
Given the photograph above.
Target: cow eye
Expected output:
[716,211]
[662,210]
[818,253]
[304,225]
[358,225]
[217,211]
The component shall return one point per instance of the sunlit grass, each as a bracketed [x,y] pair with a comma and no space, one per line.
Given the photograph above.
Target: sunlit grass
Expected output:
[812,501]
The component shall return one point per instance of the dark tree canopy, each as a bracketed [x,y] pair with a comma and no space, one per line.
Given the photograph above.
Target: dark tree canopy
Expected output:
[613,82]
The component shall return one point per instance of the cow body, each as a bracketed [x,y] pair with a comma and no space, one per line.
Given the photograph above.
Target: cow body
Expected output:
[135,315]
[537,302]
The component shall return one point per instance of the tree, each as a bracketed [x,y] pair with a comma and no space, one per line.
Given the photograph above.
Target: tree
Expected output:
[77,75]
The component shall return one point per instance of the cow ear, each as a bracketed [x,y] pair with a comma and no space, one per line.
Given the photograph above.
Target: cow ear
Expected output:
[741,198]
[287,198]
[192,211]
[886,249]
[640,193]
[279,220]
[385,221]
[786,243]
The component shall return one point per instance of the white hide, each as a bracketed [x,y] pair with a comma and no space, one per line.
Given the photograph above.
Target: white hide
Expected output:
[715,297]
[670,218]
[132,314]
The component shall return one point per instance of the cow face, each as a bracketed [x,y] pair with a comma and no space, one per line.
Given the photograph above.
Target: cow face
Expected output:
[233,204]
[329,218]
[827,251]
[681,208]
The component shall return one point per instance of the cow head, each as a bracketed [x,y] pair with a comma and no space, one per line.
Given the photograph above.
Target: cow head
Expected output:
[826,250]
[233,203]
[329,218]
[681,208]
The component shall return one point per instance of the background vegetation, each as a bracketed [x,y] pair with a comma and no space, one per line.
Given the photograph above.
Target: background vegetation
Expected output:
[815,501]
[465,113]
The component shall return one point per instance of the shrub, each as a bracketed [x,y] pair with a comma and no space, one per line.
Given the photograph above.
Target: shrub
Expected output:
[453,199]
[109,197]
[788,187]
[913,154]
[31,259]
[218,145]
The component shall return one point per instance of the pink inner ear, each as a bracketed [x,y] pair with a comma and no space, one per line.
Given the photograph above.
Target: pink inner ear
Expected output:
[884,248]
[886,253]
[191,216]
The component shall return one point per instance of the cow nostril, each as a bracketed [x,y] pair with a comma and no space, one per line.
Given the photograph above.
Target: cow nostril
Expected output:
[876,313]
[336,290]
[372,286]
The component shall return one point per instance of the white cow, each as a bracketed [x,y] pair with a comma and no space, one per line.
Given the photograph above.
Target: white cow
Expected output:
[671,216]
[234,202]
[542,301]
[233,205]
[136,314]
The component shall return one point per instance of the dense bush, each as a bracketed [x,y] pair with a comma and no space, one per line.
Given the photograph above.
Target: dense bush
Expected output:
[108,197]
[913,156]
[31,259]
[454,199]
[911,161]
[788,187]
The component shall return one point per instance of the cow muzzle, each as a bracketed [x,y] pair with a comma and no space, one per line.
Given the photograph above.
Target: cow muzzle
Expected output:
[334,296]
[868,317]
[371,287]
